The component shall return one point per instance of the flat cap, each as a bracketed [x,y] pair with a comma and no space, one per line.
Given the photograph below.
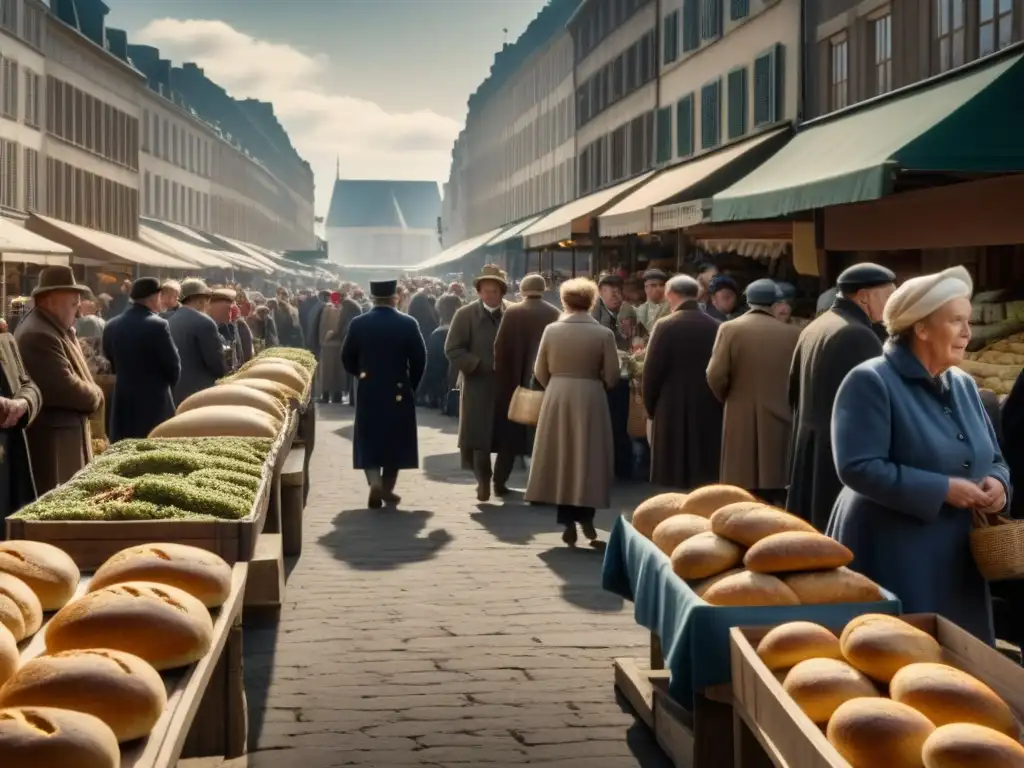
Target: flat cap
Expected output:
[224,294]
[193,287]
[611,279]
[763,293]
[866,275]
[533,285]
[143,288]
[723,282]
[655,274]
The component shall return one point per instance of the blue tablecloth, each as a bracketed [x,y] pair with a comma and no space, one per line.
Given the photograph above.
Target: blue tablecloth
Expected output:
[695,635]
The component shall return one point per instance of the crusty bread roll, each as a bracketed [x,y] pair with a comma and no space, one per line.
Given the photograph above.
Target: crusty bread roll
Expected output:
[219,421]
[672,532]
[709,499]
[161,624]
[947,695]
[120,689]
[788,644]
[703,585]
[9,655]
[235,394]
[48,571]
[840,585]
[278,372]
[966,745]
[749,588]
[819,686]
[43,737]
[283,393]
[655,509]
[297,367]
[796,551]
[20,609]
[879,645]
[747,522]
[705,555]
[879,733]
[202,574]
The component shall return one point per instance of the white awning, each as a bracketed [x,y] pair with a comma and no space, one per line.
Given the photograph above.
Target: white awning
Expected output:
[572,217]
[201,257]
[250,251]
[19,246]
[458,250]
[633,214]
[516,229]
[103,246]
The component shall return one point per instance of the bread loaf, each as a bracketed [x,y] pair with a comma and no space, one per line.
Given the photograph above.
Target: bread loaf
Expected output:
[43,737]
[749,588]
[702,586]
[788,644]
[840,585]
[9,655]
[20,609]
[161,624]
[796,551]
[202,574]
[120,689]
[819,686]
[235,394]
[304,373]
[966,745]
[747,522]
[282,393]
[879,733]
[283,374]
[947,695]
[219,421]
[672,532]
[48,571]
[656,509]
[711,498]
[705,555]
[879,645]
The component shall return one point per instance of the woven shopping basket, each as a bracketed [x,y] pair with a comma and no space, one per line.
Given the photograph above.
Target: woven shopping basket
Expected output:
[997,544]
[525,406]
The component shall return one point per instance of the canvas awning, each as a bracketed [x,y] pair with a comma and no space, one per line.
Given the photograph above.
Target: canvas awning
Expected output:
[964,122]
[103,246]
[267,265]
[695,178]
[20,246]
[516,229]
[574,217]
[201,257]
[458,250]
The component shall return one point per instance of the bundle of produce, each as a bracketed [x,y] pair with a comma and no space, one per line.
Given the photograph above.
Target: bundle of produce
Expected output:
[997,365]
[886,696]
[993,319]
[285,373]
[99,445]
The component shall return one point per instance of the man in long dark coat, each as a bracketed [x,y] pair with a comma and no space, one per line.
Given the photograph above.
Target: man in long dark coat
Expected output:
[384,351]
[138,345]
[686,433]
[829,348]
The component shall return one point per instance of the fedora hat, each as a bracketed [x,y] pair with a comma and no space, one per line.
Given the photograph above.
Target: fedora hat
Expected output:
[491,272]
[193,287]
[58,278]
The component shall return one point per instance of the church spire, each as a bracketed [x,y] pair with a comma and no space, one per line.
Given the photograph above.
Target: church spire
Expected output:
[337,172]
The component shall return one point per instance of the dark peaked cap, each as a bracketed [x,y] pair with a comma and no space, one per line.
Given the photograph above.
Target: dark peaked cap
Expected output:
[866,275]
[763,292]
[143,288]
[383,289]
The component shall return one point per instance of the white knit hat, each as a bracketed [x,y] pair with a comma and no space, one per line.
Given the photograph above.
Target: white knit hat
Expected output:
[918,297]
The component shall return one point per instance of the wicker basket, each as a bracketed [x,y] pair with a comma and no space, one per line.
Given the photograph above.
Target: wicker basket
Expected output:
[525,406]
[997,544]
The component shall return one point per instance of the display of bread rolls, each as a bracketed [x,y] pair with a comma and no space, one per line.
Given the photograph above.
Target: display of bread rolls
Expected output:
[747,522]
[279,372]
[202,574]
[946,695]
[49,572]
[673,531]
[879,645]
[748,588]
[656,509]
[788,644]
[219,421]
[878,732]
[707,500]
[9,656]
[705,554]
[20,609]
[965,745]
[820,686]
[44,737]
[796,551]
[840,585]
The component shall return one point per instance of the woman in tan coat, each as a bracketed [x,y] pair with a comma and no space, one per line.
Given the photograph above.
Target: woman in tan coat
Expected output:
[573,461]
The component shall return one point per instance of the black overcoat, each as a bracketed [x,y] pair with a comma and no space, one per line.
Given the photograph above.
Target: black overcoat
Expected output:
[145,361]
[384,351]
[829,348]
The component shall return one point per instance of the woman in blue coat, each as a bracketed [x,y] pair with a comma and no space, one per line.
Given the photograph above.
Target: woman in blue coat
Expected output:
[917,456]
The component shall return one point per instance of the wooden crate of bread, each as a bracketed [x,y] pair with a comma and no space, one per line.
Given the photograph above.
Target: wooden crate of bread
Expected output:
[789,735]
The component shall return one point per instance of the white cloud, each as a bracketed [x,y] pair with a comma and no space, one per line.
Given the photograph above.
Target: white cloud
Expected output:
[371,142]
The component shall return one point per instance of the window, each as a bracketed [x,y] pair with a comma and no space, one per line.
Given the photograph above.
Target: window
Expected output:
[684,126]
[632,67]
[9,105]
[670,44]
[737,118]
[618,78]
[949,32]
[995,25]
[710,115]
[8,174]
[768,87]
[711,19]
[839,74]
[145,195]
[647,64]
[691,25]
[174,144]
[664,135]
[739,9]
[637,146]
[618,153]
[33,98]
[881,28]
[31,179]
[33,27]
[145,134]
[9,15]
[158,199]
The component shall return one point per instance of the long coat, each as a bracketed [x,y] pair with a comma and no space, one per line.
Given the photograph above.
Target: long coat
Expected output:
[16,480]
[687,419]
[515,351]
[749,374]
[201,349]
[138,345]
[899,435]
[829,348]
[327,337]
[573,461]
[470,349]
[59,440]
[384,351]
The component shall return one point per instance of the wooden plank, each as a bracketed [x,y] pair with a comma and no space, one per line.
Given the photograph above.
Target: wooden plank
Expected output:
[292,468]
[293,500]
[265,587]
[637,683]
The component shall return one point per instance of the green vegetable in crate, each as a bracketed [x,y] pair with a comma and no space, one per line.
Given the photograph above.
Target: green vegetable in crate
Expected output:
[239,479]
[167,462]
[184,495]
[233,452]
[96,482]
[303,357]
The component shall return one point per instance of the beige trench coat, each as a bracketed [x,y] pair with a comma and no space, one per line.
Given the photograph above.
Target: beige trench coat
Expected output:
[749,374]
[332,375]
[573,453]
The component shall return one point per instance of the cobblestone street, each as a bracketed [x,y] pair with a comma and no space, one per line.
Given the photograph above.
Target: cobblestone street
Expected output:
[445,633]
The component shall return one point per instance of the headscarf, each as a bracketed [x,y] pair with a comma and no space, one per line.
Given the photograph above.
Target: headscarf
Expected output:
[918,297]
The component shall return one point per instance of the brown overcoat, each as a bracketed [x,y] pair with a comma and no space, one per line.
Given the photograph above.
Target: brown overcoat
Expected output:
[59,439]
[749,374]
[16,457]
[515,351]
[332,375]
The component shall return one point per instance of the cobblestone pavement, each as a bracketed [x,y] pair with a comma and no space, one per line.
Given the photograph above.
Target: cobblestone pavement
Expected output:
[444,633]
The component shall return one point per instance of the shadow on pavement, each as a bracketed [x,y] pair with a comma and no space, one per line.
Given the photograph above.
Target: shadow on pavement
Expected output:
[383,539]
[431,418]
[259,639]
[579,569]
[641,740]
[446,468]
[515,521]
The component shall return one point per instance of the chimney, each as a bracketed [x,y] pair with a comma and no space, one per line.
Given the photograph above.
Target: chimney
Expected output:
[145,59]
[92,20]
[162,77]
[117,43]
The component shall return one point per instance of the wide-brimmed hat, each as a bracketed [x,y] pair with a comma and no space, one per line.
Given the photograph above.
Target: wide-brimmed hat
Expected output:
[491,272]
[192,288]
[58,278]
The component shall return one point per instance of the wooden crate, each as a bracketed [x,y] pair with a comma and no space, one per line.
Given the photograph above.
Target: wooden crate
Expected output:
[789,737]
[91,543]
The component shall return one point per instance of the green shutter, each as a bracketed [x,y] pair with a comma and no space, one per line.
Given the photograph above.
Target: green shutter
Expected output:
[664,135]
[710,115]
[711,19]
[769,86]
[670,42]
[684,126]
[739,9]
[737,103]
[691,25]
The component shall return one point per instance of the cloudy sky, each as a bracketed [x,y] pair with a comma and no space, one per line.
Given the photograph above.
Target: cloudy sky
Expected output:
[381,83]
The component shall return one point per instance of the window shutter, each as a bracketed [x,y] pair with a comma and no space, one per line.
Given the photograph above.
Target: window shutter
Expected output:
[739,9]
[737,103]
[691,25]
[670,43]
[710,115]
[711,19]
[769,86]
[684,126]
[664,135]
